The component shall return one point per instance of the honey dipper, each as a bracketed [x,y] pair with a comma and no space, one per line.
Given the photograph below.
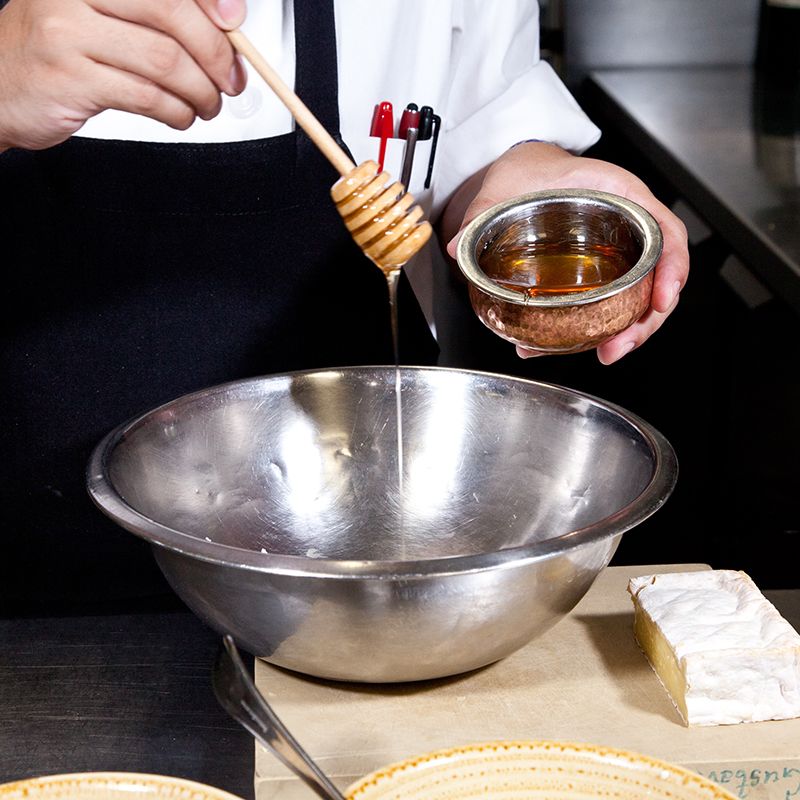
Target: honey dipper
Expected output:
[379,214]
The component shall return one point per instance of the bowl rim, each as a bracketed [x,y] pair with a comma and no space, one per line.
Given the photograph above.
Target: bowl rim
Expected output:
[494,216]
[650,499]
[101,777]
[532,746]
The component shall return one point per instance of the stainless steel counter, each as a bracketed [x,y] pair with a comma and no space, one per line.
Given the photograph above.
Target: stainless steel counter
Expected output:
[728,143]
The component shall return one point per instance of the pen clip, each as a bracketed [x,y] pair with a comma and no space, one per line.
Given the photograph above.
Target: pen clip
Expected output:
[437,123]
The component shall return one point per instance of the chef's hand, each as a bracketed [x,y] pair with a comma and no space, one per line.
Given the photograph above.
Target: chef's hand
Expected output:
[536,165]
[63,61]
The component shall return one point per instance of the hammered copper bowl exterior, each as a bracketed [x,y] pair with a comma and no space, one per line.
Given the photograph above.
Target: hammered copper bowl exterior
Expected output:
[564,329]
[574,321]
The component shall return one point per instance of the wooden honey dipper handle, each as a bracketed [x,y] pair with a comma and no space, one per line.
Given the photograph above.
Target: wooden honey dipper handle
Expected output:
[379,217]
[300,111]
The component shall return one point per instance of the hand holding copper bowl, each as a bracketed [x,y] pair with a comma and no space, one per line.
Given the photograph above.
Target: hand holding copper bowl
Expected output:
[560,271]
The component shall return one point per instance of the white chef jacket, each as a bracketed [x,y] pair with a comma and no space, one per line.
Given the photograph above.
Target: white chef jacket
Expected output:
[475,62]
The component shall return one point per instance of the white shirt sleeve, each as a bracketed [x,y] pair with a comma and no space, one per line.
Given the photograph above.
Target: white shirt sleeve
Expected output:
[501,93]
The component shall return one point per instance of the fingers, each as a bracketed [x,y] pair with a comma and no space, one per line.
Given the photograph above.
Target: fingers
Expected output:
[193,30]
[160,60]
[127,91]
[632,337]
[523,352]
[672,269]
[671,274]
[62,61]
[481,202]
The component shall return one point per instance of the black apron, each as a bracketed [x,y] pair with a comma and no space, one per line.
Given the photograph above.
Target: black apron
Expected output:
[136,272]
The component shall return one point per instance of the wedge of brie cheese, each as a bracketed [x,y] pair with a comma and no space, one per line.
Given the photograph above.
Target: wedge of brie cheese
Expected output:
[719,647]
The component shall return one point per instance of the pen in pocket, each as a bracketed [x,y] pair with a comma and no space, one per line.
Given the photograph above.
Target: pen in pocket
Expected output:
[429,124]
[382,127]
[408,130]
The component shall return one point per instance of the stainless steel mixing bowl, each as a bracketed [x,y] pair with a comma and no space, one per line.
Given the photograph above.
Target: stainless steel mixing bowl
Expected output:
[278,511]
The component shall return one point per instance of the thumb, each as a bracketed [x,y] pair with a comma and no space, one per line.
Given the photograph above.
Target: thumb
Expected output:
[480,203]
[226,14]
[452,245]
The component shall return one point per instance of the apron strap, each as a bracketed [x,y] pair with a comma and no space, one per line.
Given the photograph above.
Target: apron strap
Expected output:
[316,71]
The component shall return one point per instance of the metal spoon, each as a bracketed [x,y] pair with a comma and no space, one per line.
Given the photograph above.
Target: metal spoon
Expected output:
[239,696]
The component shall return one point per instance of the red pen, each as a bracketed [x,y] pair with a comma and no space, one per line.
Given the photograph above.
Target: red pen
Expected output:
[383,127]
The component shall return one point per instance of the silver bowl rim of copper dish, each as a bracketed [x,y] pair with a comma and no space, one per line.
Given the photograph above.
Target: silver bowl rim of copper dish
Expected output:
[502,214]
[649,500]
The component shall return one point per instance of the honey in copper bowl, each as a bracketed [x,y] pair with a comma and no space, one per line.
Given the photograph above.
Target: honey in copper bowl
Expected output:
[538,267]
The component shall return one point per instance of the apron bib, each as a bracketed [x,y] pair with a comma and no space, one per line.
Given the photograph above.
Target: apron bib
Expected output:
[142,271]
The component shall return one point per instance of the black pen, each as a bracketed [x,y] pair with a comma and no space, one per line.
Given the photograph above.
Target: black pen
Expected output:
[425,123]
[429,124]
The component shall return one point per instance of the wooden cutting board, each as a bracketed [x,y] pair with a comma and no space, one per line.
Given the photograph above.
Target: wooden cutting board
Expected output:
[585,680]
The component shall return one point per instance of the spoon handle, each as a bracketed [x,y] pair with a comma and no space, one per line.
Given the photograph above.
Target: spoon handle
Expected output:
[300,111]
[239,696]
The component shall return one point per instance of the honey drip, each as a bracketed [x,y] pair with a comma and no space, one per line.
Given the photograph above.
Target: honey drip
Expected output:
[392,277]
[388,227]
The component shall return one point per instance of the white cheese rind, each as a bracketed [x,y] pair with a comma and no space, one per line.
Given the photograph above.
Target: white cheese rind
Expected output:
[739,659]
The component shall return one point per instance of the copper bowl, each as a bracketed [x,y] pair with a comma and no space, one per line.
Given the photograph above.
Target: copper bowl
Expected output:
[560,271]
